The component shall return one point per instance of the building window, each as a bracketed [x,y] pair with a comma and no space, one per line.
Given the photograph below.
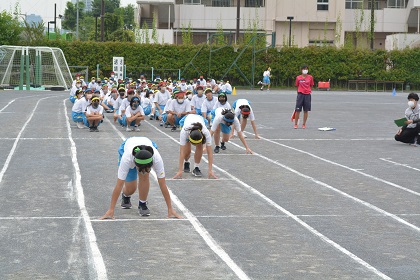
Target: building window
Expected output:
[400,4]
[354,4]
[192,2]
[220,3]
[254,3]
[376,5]
[322,5]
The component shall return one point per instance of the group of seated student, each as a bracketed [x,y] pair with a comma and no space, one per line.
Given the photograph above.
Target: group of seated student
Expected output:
[166,101]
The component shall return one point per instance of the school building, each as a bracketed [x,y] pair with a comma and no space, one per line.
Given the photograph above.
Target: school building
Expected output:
[286,22]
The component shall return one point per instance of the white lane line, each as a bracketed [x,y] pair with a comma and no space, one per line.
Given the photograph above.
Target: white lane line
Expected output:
[294,217]
[367,204]
[400,164]
[95,259]
[323,139]
[198,179]
[343,166]
[12,150]
[200,229]
[7,105]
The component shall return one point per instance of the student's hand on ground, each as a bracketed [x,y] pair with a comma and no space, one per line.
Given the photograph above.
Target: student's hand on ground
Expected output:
[108,215]
[178,175]
[248,151]
[212,176]
[173,214]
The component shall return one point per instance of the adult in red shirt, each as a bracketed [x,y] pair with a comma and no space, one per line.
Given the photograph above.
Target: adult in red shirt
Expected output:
[304,85]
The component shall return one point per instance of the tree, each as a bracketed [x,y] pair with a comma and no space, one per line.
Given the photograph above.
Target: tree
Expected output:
[70,15]
[10,29]
[33,33]
[110,6]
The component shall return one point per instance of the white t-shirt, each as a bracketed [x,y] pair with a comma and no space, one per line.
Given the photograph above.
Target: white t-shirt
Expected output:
[127,159]
[218,119]
[223,106]
[208,105]
[162,98]
[130,112]
[189,120]
[197,101]
[80,105]
[145,102]
[266,73]
[179,108]
[241,102]
[91,110]
[124,104]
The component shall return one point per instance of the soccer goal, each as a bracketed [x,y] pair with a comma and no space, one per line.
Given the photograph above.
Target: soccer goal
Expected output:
[35,68]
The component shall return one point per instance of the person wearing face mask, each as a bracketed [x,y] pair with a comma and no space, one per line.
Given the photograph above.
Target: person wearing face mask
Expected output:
[409,133]
[208,105]
[197,101]
[221,128]
[160,100]
[78,116]
[134,114]
[177,109]
[137,156]
[94,114]
[266,79]
[221,102]
[304,84]
[77,86]
[124,104]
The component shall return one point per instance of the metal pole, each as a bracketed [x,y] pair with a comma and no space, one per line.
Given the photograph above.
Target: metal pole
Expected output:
[372,23]
[22,68]
[28,82]
[152,74]
[238,14]
[102,19]
[77,20]
[290,30]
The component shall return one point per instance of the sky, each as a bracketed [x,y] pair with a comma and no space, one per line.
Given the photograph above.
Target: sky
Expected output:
[44,8]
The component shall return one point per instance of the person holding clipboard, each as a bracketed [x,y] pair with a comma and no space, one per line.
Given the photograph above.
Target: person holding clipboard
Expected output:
[410,127]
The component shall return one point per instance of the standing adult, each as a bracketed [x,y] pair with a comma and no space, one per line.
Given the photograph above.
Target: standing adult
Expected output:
[304,84]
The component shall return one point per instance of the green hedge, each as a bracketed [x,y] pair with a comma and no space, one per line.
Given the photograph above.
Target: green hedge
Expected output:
[338,65]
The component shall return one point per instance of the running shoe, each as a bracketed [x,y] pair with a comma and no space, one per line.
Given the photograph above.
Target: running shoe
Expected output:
[196,172]
[143,210]
[187,167]
[125,201]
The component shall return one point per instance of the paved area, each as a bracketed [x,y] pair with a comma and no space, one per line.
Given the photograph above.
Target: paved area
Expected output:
[308,204]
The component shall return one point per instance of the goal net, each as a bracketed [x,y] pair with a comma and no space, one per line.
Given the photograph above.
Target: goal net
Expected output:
[34,68]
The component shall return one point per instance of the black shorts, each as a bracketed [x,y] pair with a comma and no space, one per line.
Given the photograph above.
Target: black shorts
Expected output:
[303,101]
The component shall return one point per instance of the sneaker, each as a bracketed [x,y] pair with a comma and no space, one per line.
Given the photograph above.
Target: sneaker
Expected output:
[136,128]
[303,126]
[143,210]
[110,111]
[125,202]
[96,129]
[161,123]
[187,167]
[295,126]
[173,128]
[259,83]
[261,89]
[151,117]
[268,89]
[244,135]
[196,172]
[91,129]
[128,128]
[216,150]
[80,125]
[167,125]
[222,146]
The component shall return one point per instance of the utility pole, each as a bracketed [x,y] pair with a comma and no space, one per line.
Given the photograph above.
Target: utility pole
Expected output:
[102,19]
[77,20]
[290,30]
[372,23]
[238,19]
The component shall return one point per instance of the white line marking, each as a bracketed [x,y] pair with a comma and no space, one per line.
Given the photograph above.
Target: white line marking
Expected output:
[341,165]
[138,220]
[294,217]
[98,262]
[7,105]
[367,204]
[12,150]
[198,179]
[400,164]
[201,230]
[322,139]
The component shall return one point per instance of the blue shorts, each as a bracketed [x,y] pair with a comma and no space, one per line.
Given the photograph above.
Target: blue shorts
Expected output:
[73,98]
[226,129]
[78,117]
[157,111]
[198,111]
[266,80]
[147,110]
[303,101]
[132,173]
